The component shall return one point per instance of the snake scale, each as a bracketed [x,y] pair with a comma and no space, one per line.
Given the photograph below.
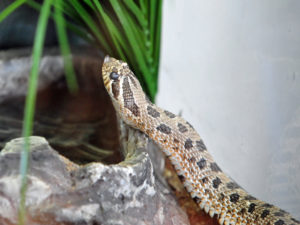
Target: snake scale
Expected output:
[213,191]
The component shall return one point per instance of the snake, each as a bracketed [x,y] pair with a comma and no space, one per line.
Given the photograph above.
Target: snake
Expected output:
[212,189]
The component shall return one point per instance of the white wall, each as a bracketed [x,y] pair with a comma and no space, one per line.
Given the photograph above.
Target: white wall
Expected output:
[232,68]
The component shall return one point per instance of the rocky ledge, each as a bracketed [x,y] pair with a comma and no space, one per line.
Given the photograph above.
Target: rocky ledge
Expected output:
[62,192]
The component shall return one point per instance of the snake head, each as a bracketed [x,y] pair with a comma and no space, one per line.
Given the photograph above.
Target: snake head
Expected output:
[123,88]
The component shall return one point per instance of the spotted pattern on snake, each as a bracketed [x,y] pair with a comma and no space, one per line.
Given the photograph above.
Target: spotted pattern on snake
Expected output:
[214,192]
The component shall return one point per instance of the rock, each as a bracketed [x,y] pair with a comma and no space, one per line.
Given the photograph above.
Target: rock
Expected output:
[61,192]
[81,126]
[17,63]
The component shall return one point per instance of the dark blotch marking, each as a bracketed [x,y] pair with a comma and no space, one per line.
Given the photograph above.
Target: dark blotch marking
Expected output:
[265,213]
[221,197]
[200,146]
[116,89]
[214,167]
[251,207]
[234,197]
[296,221]
[141,124]
[181,178]
[190,125]
[204,180]
[216,182]
[149,131]
[267,205]
[207,191]
[152,112]
[232,185]
[280,213]
[164,129]
[176,141]
[134,109]
[129,99]
[188,143]
[197,200]
[169,114]
[250,198]
[192,159]
[201,163]
[182,128]
[243,211]
[279,222]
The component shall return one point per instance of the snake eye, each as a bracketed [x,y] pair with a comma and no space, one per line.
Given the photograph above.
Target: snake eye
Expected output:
[114,76]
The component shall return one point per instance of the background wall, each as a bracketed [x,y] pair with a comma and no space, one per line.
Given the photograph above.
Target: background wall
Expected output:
[232,68]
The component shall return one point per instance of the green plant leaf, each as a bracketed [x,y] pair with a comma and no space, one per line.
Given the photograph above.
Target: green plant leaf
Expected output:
[30,102]
[10,9]
[112,29]
[92,25]
[80,31]
[157,39]
[132,39]
[64,47]
[138,13]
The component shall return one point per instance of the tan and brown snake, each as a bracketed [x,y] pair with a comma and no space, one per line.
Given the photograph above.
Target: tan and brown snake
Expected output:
[210,188]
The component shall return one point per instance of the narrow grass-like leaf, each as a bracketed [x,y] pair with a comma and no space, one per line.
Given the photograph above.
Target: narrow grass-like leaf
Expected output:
[137,12]
[133,43]
[115,27]
[143,5]
[9,9]
[80,31]
[157,41]
[112,29]
[91,24]
[30,102]
[64,47]
[137,33]
[153,4]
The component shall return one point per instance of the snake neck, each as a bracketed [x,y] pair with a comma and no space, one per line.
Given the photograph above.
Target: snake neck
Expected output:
[209,186]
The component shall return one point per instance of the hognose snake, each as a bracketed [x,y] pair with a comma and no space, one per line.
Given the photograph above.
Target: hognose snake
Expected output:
[210,188]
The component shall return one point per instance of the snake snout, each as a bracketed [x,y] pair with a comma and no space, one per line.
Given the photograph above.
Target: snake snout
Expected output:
[106,59]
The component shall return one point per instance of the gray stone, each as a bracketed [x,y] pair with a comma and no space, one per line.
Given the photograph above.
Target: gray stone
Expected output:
[14,71]
[61,192]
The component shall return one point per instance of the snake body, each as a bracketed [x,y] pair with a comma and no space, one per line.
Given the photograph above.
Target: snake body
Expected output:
[210,188]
